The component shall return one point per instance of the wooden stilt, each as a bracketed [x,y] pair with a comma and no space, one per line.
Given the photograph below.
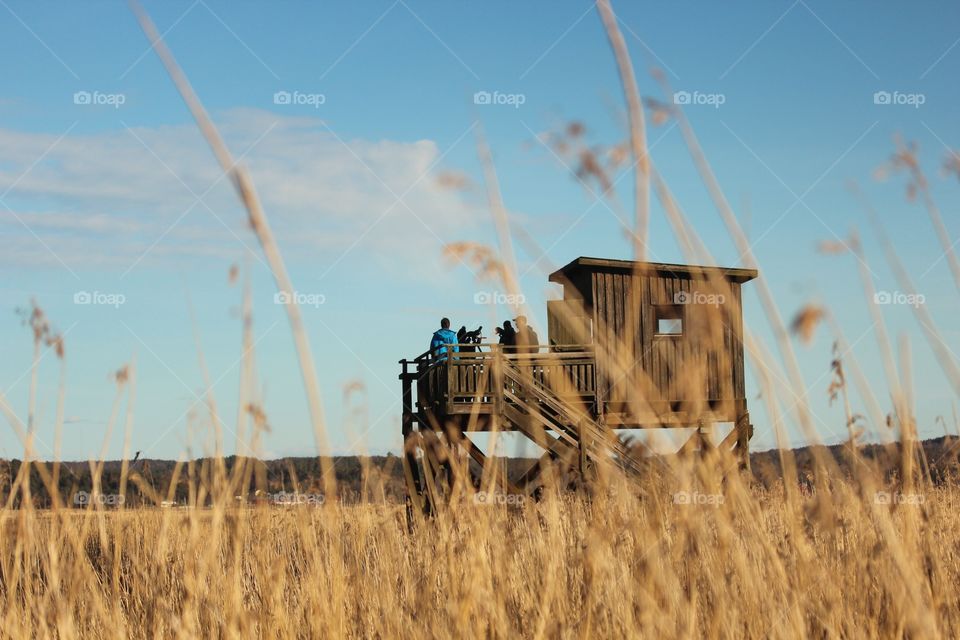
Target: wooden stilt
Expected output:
[691,445]
[412,477]
[744,432]
[431,472]
[530,475]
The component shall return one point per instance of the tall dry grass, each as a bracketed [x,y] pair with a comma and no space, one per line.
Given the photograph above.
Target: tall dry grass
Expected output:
[628,563]
[687,547]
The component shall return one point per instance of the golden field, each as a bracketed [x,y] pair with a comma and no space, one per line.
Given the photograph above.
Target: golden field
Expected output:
[724,559]
[690,547]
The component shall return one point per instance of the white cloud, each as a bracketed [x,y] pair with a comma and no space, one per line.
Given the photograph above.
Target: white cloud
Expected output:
[106,197]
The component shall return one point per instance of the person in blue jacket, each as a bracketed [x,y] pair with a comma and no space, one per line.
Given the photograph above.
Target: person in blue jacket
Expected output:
[443,337]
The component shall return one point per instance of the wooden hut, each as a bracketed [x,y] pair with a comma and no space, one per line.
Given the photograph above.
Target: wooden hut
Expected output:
[668,338]
[632,345]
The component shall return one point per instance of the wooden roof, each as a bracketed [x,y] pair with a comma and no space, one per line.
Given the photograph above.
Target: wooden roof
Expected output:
[582,264]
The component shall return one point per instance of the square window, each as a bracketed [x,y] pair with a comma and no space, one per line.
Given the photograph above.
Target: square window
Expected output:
[669,320]
[669,326]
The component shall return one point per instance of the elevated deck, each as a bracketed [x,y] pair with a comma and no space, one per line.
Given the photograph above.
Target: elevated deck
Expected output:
[633,345]
[479,384]
[471,389]
[550,395]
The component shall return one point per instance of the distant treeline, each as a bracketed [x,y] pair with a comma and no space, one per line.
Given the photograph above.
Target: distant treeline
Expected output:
[151,482]
[937,458]
[373,478]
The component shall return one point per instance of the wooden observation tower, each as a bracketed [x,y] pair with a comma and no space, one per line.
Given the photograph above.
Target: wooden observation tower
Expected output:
[632,345]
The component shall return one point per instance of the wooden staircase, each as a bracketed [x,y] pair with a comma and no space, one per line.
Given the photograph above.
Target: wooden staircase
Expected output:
[547,397]
[535,410]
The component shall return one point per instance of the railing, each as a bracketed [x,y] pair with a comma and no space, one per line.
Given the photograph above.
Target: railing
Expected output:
[553,390]
[572,426]
[464,381]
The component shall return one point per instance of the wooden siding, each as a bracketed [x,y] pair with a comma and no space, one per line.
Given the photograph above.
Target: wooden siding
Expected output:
[568,323]
[702,366]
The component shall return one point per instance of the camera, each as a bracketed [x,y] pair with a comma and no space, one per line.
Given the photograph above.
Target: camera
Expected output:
[469,338]
[473,337]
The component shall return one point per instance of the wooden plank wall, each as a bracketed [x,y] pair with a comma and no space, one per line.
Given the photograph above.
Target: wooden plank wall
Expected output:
[568,322]
[624,309]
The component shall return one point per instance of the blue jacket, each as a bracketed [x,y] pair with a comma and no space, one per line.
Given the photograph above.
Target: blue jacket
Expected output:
[441,338]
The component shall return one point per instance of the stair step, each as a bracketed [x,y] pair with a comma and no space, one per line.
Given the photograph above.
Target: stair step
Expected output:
[539,403]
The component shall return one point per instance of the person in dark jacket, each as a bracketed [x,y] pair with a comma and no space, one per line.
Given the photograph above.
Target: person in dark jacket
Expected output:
[527,339]
[508,337]
[443,339]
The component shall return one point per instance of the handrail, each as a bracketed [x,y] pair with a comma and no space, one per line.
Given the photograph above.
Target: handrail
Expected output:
[580,381]
[581,421]
[544,395]
[518,382]
[493,347]
[545,398]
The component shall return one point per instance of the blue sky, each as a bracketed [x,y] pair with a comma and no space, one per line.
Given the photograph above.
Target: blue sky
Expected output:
[126,200]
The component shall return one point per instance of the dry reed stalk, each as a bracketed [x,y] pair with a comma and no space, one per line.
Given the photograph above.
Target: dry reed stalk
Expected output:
[499,214]
[770,308]
[128,428]
[906,157]
[261,227]
[879,323]
[242,471]
[931,332]
[863,387]
[210,400]
[58,418]
[638,136]
[121,377]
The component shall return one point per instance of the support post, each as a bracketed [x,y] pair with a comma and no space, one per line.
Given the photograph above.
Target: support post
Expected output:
[744,432]
[411,468]
[583,450]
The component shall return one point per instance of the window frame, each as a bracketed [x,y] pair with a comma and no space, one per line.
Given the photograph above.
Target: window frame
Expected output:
[669,312]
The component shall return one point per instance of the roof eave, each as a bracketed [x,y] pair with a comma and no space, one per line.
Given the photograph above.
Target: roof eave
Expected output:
[735,274]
